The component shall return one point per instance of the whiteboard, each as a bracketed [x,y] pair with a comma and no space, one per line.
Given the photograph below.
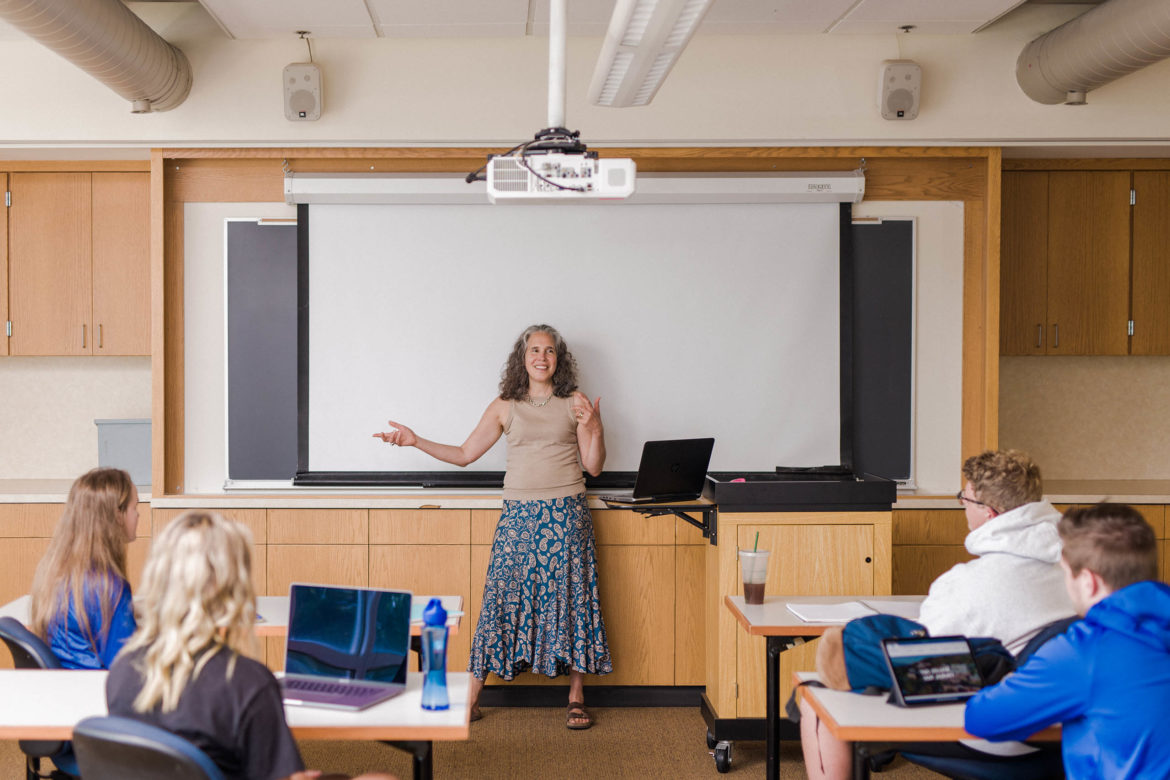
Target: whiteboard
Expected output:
[687,320]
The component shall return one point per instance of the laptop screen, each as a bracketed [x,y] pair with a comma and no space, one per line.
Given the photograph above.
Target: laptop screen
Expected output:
[348,633]
[933,669]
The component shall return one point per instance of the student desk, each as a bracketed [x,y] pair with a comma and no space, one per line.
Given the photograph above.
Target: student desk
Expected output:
[784,630]
[872,724]
[46,704]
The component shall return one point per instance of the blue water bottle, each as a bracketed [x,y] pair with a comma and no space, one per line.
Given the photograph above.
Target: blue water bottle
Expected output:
[434,656]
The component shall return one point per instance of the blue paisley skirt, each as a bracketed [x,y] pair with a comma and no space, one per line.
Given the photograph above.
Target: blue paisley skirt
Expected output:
[541,610]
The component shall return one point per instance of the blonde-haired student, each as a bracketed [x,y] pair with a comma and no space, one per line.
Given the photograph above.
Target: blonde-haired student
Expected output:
[187,669]
[80,598]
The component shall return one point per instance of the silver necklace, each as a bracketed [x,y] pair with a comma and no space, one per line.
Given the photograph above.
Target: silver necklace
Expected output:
[538,404]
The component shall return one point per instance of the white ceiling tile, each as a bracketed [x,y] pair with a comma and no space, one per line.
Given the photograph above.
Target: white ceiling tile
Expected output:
[447,18]
[279,18]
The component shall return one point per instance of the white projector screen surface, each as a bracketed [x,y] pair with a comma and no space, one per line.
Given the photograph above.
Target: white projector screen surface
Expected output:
[687,320]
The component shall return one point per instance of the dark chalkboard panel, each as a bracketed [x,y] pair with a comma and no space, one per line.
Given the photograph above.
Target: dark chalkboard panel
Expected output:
[883,348]
[262,350]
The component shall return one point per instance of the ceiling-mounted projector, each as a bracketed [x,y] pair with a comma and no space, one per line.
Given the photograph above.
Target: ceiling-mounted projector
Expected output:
[555,167]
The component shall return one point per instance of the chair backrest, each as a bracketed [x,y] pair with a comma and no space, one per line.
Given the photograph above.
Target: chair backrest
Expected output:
[1053,629]
[113,748]
[28,650]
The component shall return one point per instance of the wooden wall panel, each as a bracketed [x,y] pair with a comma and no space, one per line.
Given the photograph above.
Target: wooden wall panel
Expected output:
[317,564]
[685,533]
[916,566]
[930,526]
[689,614]
[1024,264]
[428,570]
[614,526]
[483,525]
[24,520]
[801,555]
[637,604]
[21,559]
[318,526]
[420,526]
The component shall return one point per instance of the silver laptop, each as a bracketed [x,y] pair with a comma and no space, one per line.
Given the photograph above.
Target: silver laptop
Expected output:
[347,648]
[670,470]
[931,670]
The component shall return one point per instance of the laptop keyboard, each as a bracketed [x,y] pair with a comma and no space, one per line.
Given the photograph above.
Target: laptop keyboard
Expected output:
[297,684]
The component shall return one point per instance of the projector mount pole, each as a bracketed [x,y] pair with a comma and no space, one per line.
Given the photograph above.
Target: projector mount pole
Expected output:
[555,137]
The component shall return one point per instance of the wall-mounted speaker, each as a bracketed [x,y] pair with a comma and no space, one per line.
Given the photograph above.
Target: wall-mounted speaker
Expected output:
[302,92]
[899,89]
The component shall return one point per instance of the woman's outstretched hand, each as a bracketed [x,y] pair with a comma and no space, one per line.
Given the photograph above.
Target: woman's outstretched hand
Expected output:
[401,436]
[587,414]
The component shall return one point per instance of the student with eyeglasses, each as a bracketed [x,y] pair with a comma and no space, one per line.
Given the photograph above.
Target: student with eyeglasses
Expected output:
[1012,589]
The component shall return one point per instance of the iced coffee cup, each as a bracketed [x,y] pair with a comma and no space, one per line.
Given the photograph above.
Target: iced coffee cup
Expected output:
[754,564]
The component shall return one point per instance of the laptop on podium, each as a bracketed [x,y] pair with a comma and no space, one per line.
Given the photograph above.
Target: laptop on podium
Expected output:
[670,470]
[347,648]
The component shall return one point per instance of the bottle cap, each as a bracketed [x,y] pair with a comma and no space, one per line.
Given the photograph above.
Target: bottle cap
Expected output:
[434,614]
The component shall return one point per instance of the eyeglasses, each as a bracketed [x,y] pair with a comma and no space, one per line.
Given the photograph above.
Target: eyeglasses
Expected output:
[969,500]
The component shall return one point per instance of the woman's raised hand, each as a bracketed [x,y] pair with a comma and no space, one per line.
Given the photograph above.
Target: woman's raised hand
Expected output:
[401,436]
[587,414]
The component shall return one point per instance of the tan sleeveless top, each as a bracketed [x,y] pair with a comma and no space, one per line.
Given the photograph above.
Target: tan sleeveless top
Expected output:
[544,461]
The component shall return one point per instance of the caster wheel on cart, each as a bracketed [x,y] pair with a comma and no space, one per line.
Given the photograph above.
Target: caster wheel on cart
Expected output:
[711,741]
[723,757]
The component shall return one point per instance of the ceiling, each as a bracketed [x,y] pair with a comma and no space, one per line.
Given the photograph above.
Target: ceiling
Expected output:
[503,18]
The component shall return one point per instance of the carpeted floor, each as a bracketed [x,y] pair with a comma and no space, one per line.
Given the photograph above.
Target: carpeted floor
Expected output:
[519,743]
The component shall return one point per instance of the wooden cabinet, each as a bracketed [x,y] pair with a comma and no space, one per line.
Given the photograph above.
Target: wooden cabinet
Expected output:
[1151,264]
[1064,274]
[823,553]
[4,269]
[79,264]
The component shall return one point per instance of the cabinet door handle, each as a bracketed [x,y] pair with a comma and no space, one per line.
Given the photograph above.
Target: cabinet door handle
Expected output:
[1039,336]
[1055,336]
[99,335]
[83,335]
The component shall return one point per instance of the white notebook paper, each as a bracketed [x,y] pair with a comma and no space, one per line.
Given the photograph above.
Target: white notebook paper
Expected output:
[841,612]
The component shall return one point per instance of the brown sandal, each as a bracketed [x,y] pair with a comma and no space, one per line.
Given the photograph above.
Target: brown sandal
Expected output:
[476,714]
[576,718]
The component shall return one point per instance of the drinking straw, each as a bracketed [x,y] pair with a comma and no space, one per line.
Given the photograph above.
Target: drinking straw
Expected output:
[757,544]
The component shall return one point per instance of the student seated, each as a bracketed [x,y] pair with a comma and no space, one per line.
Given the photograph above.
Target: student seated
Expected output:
[80,599]
[1107,679]
[185,668]
[1011,590]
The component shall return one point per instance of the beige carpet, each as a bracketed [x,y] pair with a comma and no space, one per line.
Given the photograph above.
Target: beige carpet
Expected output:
[518,743]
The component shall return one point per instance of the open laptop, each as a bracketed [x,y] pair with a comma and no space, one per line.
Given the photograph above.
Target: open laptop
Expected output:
[347,648]
[931,670]
[671,470]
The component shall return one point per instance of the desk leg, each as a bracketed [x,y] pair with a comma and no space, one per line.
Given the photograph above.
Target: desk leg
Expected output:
[860,761]
[422,752]
[775,647]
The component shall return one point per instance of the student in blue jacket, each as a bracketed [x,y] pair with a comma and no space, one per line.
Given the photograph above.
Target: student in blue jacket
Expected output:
[1107,679]
[80,598]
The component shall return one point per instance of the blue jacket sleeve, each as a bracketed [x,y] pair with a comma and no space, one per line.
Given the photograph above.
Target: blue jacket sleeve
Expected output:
[122,625]
[1050,688]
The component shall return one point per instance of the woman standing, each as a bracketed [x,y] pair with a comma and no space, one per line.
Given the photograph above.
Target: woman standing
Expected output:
[541,609]
[80,599]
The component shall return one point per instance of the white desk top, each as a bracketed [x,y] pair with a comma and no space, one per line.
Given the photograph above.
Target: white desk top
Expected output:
[772,618]
[274,610]
[39,704]
[853,717]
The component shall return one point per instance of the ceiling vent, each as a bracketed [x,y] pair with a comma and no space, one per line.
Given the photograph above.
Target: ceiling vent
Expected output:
[1102,45]
[106,40]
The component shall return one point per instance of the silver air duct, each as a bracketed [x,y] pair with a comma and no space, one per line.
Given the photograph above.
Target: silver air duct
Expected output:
[1112,40]
[106,40]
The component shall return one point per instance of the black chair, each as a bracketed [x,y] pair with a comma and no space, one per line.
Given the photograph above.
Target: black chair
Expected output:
[30,652]
[113,748]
